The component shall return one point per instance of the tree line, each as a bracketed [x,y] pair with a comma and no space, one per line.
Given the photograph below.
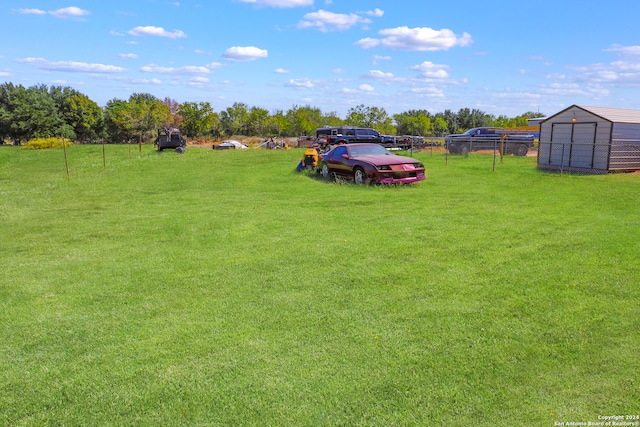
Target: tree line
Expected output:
[41,112]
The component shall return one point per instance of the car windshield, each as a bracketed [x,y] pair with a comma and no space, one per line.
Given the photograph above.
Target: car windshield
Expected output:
[367,150]
[470,131]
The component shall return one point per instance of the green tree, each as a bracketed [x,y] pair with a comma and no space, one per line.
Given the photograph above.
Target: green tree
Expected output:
[370,117]
[468,119]
[279,124]
[84,117]
[147,113]
[198,118]
[510,122]
[235,119]
[174,119]
[118,123]
[33,113]
[414,122]
[451,119]
[304,120]
[258,121]
[6,110]
[440,126]
[330,119]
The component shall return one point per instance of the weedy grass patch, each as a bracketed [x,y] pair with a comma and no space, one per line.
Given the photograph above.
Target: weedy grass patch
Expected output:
[224,288]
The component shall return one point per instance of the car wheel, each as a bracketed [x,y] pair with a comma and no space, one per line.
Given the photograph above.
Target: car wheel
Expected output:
[521,150]
[359,177]
[325,171]
[464,149]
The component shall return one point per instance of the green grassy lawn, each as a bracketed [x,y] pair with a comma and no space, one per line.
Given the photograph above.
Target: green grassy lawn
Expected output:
[222,288]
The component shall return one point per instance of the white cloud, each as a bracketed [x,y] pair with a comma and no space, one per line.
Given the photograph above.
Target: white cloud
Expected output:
[187,70]
[376,12]
[368,43]
[62,82]
[300,83]
[379,75]
[244,54]
[625,50]
[202,52]
[67,12]
[377,58]
[30,11]
[620,73]
[128,56]
[432,71]
[366,88]
[429,92]
[421,39]
[147,81]
[199,80]
[156,31]
[325,21]
[72,66]
[214,65]
[281,71]
[280,3]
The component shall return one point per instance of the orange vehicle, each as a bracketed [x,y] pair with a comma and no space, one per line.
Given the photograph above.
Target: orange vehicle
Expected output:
[309,159]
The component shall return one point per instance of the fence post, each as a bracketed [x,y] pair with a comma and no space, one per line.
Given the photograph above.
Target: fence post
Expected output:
[66,160]
[494,155]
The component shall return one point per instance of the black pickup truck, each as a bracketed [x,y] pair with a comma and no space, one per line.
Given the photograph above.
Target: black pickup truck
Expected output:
[489,138]
[333,135]
[350,134]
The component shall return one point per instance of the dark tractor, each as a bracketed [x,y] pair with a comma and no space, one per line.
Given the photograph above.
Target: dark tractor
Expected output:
[170,138]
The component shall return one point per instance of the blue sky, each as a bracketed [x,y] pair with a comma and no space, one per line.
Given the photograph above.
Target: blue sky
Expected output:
[499,57]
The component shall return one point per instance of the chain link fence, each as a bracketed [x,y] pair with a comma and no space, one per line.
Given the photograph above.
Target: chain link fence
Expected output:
[589,158]
[596,157]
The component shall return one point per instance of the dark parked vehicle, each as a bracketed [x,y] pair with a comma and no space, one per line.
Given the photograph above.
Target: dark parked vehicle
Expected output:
[368,163]
[486,138]
[349,135]
[170,138]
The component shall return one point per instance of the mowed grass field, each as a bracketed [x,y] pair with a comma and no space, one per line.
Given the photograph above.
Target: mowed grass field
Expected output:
[221,288]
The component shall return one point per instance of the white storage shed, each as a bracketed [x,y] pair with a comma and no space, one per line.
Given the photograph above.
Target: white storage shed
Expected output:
[594,140]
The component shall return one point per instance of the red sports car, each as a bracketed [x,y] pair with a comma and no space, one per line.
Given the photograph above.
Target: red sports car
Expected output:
[370,164]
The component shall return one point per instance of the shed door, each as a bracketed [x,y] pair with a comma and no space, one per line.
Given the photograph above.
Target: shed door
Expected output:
[572,144]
